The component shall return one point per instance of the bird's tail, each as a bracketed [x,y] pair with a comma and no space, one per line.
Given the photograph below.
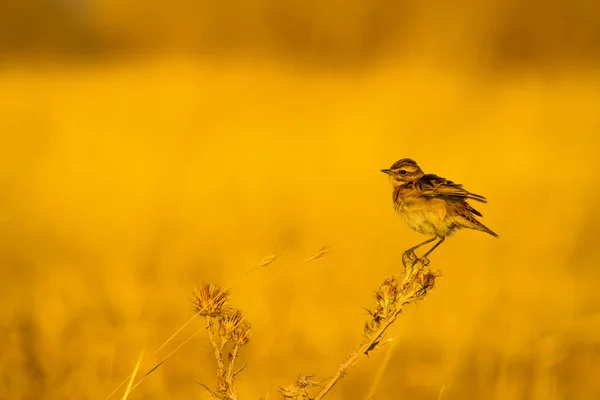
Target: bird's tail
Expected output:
[469,221]
[483,228]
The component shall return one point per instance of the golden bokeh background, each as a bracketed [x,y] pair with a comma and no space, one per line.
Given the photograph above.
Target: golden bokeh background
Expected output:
[146,148]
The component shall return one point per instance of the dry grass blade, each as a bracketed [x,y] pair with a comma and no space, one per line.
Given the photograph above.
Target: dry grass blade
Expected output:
[382,368]
[322,251]
[441,392]
[133,375]
[161,362]
[270,258]
[155,353]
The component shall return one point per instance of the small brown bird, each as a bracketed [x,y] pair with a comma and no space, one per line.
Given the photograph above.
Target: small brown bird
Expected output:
[431,205]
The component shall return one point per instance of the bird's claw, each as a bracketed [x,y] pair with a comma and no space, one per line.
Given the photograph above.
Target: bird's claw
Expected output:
[409,257]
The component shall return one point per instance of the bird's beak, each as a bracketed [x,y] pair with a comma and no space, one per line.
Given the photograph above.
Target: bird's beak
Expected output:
[385,171]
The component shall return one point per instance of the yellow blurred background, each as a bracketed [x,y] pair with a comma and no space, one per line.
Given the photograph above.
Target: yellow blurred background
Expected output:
[146,148]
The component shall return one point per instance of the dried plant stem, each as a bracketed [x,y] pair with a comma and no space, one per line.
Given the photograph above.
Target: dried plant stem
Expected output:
[217,349]
[391,299]
[234,354]
[226,328]
[225,375]
[362,350]
[353,358]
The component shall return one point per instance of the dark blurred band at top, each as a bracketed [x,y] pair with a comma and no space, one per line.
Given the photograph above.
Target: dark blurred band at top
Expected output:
[493,33]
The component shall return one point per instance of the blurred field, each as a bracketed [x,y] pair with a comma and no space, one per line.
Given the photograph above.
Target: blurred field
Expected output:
[147,149]
[123,185]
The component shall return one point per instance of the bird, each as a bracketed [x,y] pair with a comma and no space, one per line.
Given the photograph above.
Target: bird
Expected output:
[432,205]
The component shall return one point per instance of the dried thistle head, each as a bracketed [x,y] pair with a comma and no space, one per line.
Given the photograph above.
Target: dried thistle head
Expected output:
[422,282]
[242,333]
[233,327]
[396,291]
[427,278]
[387,294]
[386,303]
[370,326]
[228,322]
[210,300]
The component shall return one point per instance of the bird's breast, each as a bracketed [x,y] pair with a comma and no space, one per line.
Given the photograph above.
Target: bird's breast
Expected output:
[424,215]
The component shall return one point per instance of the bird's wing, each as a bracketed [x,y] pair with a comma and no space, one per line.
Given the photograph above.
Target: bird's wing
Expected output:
[435,186]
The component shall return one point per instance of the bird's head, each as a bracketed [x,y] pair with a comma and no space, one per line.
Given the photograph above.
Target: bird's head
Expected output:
[403,171]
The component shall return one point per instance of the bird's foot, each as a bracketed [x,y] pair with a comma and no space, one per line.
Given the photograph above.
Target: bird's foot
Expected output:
[409,257]
[425,261]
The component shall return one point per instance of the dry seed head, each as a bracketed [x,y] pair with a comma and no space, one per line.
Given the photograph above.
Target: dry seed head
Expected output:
[243,332]
[370,327]
[387,294]
[298,390]
[229,322]
[210,300]
[427,279]
[387,303]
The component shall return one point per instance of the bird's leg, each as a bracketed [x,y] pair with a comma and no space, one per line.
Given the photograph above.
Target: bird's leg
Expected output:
[433,248]
[410,253]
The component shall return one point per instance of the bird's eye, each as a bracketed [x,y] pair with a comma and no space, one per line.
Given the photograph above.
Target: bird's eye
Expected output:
[403,171]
